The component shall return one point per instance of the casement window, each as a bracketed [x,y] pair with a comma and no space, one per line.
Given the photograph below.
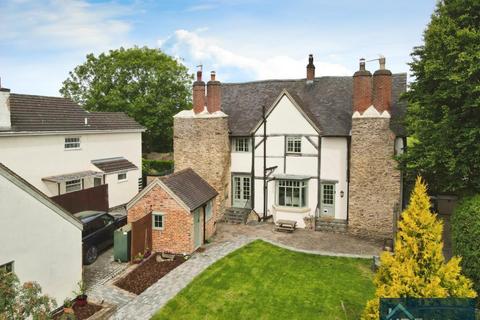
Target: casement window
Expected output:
[328,195]
[208,210]
[292,193]
[72,143]
[157,220]
[73,185]
[7,267]
[294,144]
[122,177]
[241,144]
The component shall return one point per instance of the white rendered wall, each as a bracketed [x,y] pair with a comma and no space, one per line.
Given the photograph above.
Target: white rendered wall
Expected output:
[44,246]
[4,110]
[37,157]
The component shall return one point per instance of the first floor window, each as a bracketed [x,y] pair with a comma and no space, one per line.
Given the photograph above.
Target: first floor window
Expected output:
[7,267]
[157,222]
[122,176]
[208,210]
[294,144]
[72,143]
[292,193]
[241,144]
[73,185]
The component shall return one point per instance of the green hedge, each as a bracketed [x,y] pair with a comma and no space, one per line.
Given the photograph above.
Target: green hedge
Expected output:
[466,237]
[157,167]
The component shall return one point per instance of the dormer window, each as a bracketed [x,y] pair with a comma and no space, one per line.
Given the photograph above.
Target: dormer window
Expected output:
[72,143]
[294,144]
[241,144]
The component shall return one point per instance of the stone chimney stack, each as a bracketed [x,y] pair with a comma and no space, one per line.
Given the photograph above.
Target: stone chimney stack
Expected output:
[310,69]
[199,93]
[382,88]
[214,94]
[362,88]
[4,108]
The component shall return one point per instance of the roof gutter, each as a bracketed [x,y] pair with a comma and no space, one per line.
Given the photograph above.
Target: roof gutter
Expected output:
[65,132]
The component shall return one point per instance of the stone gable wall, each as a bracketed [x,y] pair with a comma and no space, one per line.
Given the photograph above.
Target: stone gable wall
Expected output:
[374,179]
[203,144]
[177,234]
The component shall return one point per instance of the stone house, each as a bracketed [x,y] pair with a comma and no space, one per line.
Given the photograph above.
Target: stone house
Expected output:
[181,209]
[319,150]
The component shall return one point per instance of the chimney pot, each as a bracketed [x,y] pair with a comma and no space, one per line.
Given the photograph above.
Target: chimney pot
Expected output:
[212,76]
[199,72]
[310,69]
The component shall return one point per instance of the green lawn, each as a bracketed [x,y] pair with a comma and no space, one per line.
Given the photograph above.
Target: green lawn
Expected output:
[262,281]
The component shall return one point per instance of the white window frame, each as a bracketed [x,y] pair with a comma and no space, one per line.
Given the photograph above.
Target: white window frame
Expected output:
[123,179]
[289,186]
[242,144]
[209,210]
[74,182]
[294,144]
[9,265]
[158,214]
[72,143]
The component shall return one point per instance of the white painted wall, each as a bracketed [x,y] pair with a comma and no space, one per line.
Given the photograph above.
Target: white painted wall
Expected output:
[4,110]
[44,246]
[37,157]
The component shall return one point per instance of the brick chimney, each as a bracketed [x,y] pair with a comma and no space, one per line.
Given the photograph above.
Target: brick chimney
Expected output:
[382,88]
[4,108]
[310,69]
[214,94]
[362,88]
[199,93]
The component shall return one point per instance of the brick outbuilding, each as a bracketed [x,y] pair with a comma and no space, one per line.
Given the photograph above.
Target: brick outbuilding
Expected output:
[180,204]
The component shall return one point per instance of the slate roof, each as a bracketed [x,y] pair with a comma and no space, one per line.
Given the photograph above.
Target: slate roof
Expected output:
[38,113]
[328,100]
[190,188]
[114,164]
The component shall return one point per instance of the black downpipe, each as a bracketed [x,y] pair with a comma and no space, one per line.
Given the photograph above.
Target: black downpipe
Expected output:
[319,182]
[349,150]
[265,186]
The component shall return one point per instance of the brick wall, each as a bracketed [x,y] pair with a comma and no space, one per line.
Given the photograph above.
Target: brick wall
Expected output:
[177,234]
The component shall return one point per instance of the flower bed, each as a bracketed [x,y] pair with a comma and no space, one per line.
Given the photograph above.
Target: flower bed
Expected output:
[83,312]
[147,273]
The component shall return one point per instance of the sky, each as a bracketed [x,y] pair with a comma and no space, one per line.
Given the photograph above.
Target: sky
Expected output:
[242,40]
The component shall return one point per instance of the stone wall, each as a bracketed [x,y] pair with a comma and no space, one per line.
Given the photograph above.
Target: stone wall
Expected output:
[201,142]
[374,180]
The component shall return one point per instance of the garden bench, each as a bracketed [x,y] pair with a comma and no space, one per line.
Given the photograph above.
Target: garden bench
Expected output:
[285,225]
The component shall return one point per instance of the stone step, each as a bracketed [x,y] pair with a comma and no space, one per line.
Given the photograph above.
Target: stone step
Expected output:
[331,225]
[236,215]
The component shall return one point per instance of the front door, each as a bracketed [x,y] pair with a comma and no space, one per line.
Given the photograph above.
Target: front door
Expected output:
[241,191]
[197,230]
[328,200]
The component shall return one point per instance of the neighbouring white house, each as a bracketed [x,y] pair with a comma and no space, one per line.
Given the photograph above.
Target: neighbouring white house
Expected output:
[318,151]
[59,147]
[40,241]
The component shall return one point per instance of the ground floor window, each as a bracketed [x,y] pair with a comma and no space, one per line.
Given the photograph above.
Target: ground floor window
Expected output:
[7,267]
[157,220]
[292,193]
[73,185]
[122,176]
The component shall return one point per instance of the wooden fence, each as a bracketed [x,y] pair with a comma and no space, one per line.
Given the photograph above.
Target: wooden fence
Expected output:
[95,198]
[141,235]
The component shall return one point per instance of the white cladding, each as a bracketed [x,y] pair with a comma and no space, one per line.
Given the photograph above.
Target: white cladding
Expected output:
[284,120]
[35,157]
[4,110]
[44,246]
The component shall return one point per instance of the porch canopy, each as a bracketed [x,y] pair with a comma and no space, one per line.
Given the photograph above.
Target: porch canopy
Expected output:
[73,176]
[111,165]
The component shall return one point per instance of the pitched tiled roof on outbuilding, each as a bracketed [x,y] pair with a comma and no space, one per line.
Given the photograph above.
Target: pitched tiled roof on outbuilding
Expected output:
[114,164]
[30,113]
[329,100]
[190,188]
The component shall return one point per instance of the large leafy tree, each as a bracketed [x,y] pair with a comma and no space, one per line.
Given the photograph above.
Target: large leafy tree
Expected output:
[145,83]
[443,117]
[417,268]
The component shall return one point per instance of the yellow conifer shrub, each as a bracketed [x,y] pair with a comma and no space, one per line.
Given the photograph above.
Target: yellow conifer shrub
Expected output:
[417,268]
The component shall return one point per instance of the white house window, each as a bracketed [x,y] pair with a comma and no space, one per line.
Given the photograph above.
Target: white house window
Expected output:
[73,185]
[72,143]
[241,144]
[328,194]
[294,144]
[208,210]
[7,267]
[292,193]
[122,177]
[157,220]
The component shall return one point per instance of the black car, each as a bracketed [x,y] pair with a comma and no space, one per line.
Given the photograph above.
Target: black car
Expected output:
[97,235]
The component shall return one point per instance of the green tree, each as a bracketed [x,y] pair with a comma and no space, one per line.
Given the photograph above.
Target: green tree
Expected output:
[145,83]
[417,268]
[443,116]
[18,302]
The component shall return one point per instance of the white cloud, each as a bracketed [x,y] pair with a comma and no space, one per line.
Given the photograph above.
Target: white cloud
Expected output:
[63,23]
[196,49]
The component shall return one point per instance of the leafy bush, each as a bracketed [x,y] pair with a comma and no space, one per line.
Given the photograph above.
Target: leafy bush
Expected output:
[466,237]
[157,167]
